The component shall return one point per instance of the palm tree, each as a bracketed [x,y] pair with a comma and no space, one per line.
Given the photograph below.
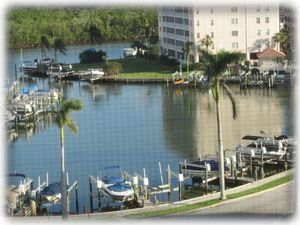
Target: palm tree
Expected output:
[95,35]
[207,42]
[186,51]
[214,67]
[284,38]
[45,44]
[63,118]
[59,45]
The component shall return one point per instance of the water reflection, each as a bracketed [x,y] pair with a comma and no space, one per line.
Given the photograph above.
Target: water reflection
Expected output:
[190,124]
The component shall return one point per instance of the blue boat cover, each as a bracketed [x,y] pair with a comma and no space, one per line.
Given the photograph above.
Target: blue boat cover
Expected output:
[214,164]
[110,167]
[51,189]
[15,174]
[112,179]
[119,187]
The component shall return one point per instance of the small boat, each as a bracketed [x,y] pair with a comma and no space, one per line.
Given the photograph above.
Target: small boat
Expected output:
[129,52]
[179,81]
[201,165]
[91,74]
[51,193]
[270,147]
[59,70]
[116,186]
[28,67]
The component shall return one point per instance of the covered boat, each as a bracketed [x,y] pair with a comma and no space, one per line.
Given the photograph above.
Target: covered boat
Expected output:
[116,186]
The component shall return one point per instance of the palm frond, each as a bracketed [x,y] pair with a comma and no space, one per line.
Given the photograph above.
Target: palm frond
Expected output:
[233,100]
[69,105]
[72,125]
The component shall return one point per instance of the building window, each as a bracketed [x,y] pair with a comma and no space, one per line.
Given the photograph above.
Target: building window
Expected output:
[258,32]
[186,33]
[212,22]
[258,9]
[235,45]
[257,20]
[170,30]
[267,44]
[186,21]
[165,40]
[268,32]
[179,43]
[267,19]
[197,10]
[234,21]
[235,33]
[170,41]
[198,35]
[258,44]
[211,10]
[171,52]
[233,9]
[178,20]
[267,9]
[191,22]
[179,32]
[197,22]
[212,34]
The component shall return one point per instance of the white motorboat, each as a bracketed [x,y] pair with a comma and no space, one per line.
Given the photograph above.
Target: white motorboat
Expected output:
[116,186]
[59,70]
[129,52]
[28,66]
[91,74]
[270,147]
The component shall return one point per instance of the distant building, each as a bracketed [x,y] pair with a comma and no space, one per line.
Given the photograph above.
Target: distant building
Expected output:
[248,29]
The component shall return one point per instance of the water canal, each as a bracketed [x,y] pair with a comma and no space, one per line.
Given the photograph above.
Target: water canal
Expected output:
[136,126]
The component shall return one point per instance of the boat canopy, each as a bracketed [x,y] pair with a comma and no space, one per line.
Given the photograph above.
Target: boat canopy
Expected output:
[51,189]
[15,174]
[110,167]
[252,138]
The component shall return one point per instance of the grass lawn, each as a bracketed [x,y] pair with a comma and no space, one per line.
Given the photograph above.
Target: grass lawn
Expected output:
[179,209]
[134,68]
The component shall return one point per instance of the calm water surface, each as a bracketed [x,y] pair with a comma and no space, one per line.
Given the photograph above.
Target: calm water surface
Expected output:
[136,126]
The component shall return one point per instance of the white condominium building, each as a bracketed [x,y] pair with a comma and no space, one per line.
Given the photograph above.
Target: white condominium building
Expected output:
[247,29]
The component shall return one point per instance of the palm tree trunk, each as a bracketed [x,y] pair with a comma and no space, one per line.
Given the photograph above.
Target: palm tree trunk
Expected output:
[220,145]
[63,184]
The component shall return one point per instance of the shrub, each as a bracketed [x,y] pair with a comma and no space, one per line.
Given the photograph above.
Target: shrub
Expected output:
[114,68]
[92,56]
[165,60]
[152,53]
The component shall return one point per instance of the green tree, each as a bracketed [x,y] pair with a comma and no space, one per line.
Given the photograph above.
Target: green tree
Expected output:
[94,33]
[207,42]
[45,44]
[59,45]
[214,68]
[186,51]
[62,118]
[284,38]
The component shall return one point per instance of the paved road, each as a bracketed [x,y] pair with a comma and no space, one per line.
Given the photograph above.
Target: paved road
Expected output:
[277,204]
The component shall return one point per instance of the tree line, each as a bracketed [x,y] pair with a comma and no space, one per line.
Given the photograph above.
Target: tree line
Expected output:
[74,25]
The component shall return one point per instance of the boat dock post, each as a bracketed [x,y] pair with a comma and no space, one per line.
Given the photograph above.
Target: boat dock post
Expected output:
[74,185]
[146,184]
[262,164]
[180,180]
[91,178]
[168,173]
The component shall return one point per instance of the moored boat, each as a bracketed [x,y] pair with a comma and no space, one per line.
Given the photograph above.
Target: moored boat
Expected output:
[116,187]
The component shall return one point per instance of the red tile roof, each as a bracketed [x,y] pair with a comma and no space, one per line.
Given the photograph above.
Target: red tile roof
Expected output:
[270,53]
